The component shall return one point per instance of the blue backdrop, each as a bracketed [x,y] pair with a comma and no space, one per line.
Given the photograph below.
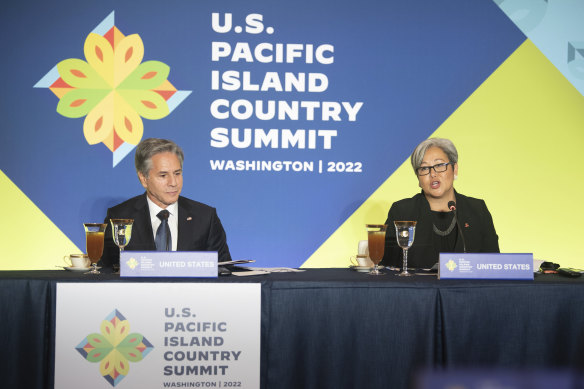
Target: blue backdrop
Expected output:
[410,64]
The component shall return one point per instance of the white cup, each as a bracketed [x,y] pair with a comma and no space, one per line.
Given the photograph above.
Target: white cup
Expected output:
[363,248]
[77,260]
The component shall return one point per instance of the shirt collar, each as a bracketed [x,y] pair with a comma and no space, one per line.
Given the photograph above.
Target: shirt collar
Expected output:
[155,209]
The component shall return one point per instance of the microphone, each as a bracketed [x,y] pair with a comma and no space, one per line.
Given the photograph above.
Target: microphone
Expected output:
[452,207]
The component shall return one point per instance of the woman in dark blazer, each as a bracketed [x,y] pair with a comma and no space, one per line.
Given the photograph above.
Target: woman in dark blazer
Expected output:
[435,162]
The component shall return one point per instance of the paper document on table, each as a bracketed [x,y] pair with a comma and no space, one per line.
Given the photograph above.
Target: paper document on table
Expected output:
[239,261]
[274,269]
[249,273]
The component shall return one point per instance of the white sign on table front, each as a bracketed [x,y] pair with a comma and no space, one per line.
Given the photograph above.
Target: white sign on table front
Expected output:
[157,335]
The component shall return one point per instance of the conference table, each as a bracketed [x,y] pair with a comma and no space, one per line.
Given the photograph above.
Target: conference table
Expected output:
[337,328]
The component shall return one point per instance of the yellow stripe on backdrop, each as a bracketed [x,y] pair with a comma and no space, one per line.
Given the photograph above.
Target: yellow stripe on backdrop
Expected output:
[519,137]
[29,239]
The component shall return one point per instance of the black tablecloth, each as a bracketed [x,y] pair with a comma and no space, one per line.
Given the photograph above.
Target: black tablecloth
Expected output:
[335,328]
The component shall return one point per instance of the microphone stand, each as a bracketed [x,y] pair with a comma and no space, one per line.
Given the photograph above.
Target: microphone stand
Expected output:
[452,207]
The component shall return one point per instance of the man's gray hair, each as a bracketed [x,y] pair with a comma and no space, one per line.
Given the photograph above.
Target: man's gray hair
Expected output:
[149,148]
[445,144]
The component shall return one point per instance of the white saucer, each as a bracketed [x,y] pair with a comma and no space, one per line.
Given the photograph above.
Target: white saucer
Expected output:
[79,268]
[362,269]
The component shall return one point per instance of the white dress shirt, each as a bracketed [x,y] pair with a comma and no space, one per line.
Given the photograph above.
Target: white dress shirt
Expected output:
[172,220]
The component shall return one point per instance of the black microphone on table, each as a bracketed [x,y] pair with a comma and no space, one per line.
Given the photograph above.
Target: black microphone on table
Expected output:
[452,207]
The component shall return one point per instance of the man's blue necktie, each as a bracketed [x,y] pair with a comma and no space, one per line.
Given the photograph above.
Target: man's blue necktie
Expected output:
[163,239]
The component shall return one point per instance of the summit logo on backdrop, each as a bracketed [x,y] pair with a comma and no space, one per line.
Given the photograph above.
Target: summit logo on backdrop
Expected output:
[113,89]
[114,348]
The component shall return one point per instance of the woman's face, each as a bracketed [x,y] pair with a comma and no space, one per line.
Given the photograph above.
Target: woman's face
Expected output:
[438,185]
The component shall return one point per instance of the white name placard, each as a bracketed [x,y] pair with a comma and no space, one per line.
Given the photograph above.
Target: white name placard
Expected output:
[486,266]
[157,335]
[168,264]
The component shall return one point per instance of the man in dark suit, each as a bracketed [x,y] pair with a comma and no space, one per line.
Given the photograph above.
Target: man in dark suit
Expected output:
[164,220]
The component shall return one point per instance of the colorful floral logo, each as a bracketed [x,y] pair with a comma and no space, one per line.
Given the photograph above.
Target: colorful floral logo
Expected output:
[114,348]
[113,89]
[132,263]
[451,265]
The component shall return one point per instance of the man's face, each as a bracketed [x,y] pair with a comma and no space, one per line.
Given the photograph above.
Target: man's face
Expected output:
[164,181]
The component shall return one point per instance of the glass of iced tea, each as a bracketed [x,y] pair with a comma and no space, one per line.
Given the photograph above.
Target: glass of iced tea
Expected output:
[376,237]
[94,234]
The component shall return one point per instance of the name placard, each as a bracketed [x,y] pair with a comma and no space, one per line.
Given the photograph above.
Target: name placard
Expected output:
[486,266]
[168,264]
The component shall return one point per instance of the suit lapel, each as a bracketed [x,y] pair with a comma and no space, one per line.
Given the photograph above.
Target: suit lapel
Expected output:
[185,226]
[459,247]
[424,226]
[142,227]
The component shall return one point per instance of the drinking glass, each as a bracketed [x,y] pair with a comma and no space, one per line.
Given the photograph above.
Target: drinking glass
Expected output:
[94,233]
[404,233]
[121,233]
[376,236]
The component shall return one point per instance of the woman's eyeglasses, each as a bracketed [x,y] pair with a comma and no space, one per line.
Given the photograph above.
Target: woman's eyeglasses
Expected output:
[439,168]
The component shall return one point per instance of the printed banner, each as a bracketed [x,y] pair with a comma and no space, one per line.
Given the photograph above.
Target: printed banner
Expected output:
[147,335]
[297,119]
